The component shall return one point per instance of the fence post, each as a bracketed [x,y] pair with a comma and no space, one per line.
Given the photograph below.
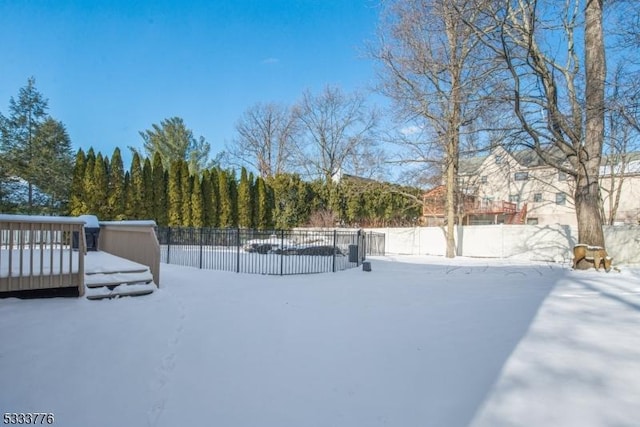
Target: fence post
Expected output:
[281,252]
[201,244]
[365,243]
[238,250]
[335,237]
[168,245]
[359,243]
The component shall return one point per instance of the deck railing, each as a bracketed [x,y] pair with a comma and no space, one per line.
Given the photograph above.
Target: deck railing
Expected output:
[37,252]
[132,240]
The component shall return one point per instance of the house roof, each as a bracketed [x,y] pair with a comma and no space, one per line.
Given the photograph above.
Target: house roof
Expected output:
[470,165]
[529,158]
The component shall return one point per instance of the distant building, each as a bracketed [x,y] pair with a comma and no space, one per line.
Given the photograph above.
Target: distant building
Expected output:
[518,187]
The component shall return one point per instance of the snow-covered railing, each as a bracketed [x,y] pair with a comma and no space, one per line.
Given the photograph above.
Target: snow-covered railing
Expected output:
[132,240]
[37,252]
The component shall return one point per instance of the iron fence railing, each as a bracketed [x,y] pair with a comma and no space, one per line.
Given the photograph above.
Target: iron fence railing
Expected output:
[374,243]
[280,252]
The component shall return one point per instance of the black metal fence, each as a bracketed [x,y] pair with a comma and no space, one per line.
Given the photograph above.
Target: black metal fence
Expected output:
[267,252]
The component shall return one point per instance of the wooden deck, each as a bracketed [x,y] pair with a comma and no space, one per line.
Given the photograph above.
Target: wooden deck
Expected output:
[40,254]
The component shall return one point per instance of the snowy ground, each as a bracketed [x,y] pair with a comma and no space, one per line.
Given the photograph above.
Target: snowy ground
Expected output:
[419,341]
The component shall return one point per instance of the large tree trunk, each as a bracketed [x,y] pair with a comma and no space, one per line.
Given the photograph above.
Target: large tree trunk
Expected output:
[451,207]
[587,200]
[587,195]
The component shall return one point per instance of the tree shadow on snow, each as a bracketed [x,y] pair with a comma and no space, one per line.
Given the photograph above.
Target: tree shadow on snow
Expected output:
[474,313]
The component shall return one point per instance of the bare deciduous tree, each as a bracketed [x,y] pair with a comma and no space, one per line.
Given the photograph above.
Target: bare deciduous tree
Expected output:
[621,142]
[336,131]
[557,99]
[433,70]
[265,135]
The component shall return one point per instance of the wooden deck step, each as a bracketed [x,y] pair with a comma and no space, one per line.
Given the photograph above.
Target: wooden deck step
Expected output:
[98,280]
[123,290]
[109,276]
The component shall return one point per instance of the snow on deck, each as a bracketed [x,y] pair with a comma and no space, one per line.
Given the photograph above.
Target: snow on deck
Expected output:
[104,262]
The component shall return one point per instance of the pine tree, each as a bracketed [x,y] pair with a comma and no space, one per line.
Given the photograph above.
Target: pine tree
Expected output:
[159,191]
[245,205]
[115,200]
[51,168]
[18,137]
[174,141]
[77,204]
[197,214]
[174,194]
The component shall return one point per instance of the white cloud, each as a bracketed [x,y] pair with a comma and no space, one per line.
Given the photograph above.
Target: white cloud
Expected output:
[410,130]
[270,61]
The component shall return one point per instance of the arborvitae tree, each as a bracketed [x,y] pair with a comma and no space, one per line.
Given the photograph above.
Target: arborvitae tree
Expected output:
[127,194]
[174,194]
[115,200]
[197,213]
[215,197]
[159,191]
[263,205]
[225,207]
[233,194]
[87,182]
[355,208]
[245,204]
[134,204]
[207,199]
[99,188]
[77,205]
[147,190]
[253,198]
[291,207]
[186,180]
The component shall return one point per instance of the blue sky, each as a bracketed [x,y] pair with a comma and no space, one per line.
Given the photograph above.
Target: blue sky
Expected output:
[112,68]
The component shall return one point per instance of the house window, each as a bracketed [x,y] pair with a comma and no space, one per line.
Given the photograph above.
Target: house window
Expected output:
[537,197]
[498,159]
[561,199]
[521,176]
[532,221]
[562,176]
[483,179]
[514,198]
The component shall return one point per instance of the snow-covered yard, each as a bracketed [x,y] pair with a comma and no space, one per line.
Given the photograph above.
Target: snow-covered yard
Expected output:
[419,341]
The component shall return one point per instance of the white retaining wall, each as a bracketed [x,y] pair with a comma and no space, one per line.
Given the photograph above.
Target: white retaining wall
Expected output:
[528,242]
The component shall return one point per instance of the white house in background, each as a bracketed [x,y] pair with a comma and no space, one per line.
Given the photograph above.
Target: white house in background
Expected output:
[544,193]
